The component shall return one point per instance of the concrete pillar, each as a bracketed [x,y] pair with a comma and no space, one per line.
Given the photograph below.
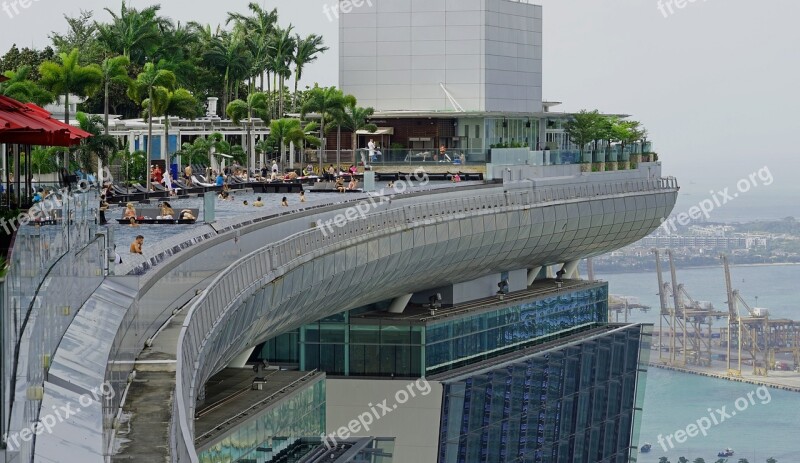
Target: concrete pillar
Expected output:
[165,143]
[399,303]
[533,274]
[571,269]
[291,155]
[550,273]
[241,360]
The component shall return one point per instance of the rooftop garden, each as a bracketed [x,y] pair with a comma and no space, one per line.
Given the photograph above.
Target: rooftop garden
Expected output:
[138,63]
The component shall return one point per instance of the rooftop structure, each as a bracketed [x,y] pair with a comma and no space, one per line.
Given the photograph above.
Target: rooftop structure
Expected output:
[438,55]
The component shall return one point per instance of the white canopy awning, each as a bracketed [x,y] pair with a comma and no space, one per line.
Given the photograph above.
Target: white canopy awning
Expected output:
[380,131]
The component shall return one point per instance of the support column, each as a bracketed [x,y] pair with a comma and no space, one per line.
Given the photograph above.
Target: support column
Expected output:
[399,303]
[533,274]
[549,272]
[571,269]
[241,360]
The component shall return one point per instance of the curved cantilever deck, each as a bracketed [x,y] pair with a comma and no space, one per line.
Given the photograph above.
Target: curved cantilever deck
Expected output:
[315,274]
[412,242]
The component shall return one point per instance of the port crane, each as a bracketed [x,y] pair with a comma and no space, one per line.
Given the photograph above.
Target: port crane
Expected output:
[755,327]
[688,321]
[759,335]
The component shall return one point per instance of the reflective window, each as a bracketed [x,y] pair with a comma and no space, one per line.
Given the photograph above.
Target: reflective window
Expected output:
[561,405]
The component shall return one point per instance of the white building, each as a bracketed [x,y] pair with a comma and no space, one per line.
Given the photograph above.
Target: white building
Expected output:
[440,55]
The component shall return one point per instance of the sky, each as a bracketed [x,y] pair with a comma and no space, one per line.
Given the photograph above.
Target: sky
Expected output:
[715,82]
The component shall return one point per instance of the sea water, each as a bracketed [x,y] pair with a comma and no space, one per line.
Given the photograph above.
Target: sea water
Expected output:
[675,400]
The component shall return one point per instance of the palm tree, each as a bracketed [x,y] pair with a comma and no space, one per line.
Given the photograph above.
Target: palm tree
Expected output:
[282,131]
[98,145]
[683,460]
[69,77]
[771,460]
[281,46]
[663,460]
[306,52]
[21,88]
[114,70]
[260,25]
[354,118]
[150,81]
[325,102]
[256,104]
[229,54]
[180,103]
[133,33]
[43,159]
[699,460]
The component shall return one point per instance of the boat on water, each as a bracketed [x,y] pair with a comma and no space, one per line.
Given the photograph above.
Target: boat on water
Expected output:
[726,453]
[646,447]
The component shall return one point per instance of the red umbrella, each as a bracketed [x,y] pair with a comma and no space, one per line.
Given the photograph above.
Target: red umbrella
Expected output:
[32,125]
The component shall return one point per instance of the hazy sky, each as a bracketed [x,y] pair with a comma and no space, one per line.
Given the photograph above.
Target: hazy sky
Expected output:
[716,83]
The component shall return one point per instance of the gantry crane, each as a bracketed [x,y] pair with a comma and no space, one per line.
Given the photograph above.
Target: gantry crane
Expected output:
[689,322]
[752,332]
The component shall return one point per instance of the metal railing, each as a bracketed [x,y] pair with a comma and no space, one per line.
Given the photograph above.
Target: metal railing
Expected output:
[195,363]
[256,406]
[54,266]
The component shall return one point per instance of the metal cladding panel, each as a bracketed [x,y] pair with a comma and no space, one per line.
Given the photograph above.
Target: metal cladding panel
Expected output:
[82,358]
[77,438]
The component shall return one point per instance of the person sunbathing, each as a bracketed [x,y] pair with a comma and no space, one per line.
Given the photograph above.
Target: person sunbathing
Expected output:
[130,212]
[166,211]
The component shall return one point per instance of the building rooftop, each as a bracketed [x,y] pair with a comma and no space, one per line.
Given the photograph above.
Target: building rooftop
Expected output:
[421,313]
[515,356]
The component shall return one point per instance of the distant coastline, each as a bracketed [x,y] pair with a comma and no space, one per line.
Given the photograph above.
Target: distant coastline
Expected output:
[612,269]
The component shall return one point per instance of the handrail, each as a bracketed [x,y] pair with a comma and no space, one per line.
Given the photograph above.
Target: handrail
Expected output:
[258,404]
[217,299]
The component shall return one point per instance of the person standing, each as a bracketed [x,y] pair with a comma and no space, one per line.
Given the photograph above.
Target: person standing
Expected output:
[103,209]
[158,175]
[168,183]
[371,148]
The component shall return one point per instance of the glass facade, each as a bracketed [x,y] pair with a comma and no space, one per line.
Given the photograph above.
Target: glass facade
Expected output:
[572,403]
[301,416]
[512,132]
[345,345]
[456,342]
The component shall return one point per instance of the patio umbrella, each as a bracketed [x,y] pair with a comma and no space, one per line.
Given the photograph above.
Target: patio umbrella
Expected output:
[29,124]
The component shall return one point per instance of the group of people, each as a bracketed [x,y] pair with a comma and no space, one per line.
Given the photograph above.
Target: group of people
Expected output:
[352,185]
